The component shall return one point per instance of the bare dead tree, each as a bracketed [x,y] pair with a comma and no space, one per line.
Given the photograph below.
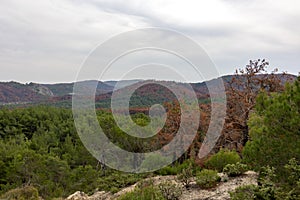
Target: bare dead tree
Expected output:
[242,91]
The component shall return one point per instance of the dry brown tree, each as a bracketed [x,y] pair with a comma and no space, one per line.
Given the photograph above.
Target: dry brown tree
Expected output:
[242,90]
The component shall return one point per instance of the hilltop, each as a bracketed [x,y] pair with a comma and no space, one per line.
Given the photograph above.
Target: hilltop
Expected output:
[60,94]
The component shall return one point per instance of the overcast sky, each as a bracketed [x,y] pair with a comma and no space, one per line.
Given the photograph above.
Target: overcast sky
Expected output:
[47,40]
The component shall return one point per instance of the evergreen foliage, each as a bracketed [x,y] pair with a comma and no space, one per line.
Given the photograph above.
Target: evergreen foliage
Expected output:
[224,157]
[275,131]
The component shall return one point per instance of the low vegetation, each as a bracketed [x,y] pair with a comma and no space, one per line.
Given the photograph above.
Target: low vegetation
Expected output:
[42,155]
[170,190]
[224,157]
[267,187]
[207,178]
[24,193]
[235,169]
[145,190]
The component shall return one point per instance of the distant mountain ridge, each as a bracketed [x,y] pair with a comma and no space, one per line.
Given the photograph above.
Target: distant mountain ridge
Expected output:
[61,93]
[121,84]
[14,92]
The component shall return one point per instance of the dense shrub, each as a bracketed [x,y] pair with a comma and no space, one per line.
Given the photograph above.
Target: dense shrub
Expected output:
[144,191]
[293,185]
[168,170]
[25,193]
[186,174]
[148,193]
[170,190]
[274,131]
[81,179]
[185,177]
[207,178]
[221,159]
[267,187]
[246,192]
[265,190]
[152,161]
[235,169]
[115,181]
[294,168]
[145,183]
[177,168]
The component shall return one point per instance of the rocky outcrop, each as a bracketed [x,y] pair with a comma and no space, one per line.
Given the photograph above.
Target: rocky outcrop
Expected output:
[102,195]
[78,196]
[221,192]
[42,90]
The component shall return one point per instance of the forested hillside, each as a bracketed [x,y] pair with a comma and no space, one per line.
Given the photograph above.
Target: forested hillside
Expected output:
[40,151]
[39,146]
[42,155]
[33,93]
[60,94]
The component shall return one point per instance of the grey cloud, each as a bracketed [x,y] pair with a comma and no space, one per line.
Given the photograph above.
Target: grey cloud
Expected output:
[47,40]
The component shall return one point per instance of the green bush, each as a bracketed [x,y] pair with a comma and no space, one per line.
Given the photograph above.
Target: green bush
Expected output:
[145,183]
[185,177]
[146,193]
[114,190]
[187,173]
[246,192]
[152,161]
[168,170]
[235,169]
[266,189]
[294,170]
[25,193]
[146,190]
[274,131]
[293,185]
[221,159]
[178,168]
[84,179]
[170,190]
[207,178]
[116,181]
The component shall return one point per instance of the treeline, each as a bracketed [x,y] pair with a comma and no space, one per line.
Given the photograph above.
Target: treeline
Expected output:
[39,147]
[272,150]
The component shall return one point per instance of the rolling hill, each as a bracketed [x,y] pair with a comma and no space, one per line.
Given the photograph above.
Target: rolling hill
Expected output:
[147,94]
